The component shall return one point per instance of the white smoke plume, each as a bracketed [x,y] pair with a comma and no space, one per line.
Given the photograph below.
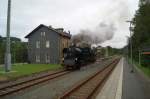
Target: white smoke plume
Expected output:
[98,35]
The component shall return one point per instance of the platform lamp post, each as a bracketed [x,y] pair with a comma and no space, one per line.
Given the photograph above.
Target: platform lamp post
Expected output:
[139,57]
[7,53]
[130,28]
[127,48]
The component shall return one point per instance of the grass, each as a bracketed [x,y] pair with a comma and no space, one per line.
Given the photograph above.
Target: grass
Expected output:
[145,70]
[27,69]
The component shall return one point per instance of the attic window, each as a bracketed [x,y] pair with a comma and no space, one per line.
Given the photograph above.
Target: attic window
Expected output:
[42,33]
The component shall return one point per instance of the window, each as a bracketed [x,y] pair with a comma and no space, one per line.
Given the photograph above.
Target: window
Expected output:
[47,44]
[37,58]
[47,57]
[37,44]
[42,33]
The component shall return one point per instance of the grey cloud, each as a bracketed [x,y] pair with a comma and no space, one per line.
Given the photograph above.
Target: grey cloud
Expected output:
[74,15]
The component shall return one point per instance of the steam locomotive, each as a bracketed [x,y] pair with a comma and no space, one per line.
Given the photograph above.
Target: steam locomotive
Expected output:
[75,57]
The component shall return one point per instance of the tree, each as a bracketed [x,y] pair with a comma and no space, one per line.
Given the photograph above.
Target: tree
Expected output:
[18,50]
[141,36]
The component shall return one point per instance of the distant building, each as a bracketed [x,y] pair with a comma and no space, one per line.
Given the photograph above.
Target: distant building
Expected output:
[145,50]
[45,44]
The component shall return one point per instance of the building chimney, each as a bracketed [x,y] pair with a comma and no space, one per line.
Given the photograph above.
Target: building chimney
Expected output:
[69,32]
[49,26]
[59,30]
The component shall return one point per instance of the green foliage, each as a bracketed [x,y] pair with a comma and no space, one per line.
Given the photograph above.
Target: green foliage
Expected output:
[141,36]
[18,50]
[142,25]
[28,69]
[145,69]
[114,51]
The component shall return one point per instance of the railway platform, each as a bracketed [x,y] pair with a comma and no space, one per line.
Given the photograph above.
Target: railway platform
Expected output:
[122,84]
[113,86]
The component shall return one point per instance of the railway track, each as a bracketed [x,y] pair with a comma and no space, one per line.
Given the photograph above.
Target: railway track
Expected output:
[9,89]
[88,87]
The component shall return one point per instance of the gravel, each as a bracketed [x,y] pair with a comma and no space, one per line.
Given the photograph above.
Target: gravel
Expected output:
[56,87]
[27,77]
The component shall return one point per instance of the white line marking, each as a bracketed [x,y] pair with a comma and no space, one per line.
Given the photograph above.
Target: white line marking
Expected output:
[119,88]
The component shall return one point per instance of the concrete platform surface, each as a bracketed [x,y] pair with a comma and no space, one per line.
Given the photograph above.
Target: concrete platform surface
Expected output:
[113,86]
[123,84]
[134,86]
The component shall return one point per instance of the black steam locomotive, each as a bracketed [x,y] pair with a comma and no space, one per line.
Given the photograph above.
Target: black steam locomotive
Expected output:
[75,57]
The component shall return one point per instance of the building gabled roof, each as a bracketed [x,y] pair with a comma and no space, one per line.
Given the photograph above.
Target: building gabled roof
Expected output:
[64,34]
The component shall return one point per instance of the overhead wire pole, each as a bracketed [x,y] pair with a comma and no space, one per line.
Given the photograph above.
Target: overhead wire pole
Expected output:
[130,28]
[8,54]
[127,49]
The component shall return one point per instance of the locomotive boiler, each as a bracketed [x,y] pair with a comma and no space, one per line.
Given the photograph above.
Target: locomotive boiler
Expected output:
[75,57]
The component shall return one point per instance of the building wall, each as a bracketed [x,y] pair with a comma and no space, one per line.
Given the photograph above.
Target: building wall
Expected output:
[43,52]
[64,43]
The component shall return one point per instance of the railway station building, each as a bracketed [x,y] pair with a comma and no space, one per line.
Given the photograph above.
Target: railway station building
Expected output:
[45,44]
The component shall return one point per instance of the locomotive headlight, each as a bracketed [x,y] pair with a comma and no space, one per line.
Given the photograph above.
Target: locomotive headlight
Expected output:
[62,59]
[76,59]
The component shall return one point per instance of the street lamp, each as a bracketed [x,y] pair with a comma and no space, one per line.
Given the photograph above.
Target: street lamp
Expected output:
[7,53]
[130,28]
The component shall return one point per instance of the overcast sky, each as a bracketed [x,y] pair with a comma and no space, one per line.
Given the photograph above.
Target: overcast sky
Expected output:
[73,15]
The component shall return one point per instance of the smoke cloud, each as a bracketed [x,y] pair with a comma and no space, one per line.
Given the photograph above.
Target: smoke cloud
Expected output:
[98,35]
